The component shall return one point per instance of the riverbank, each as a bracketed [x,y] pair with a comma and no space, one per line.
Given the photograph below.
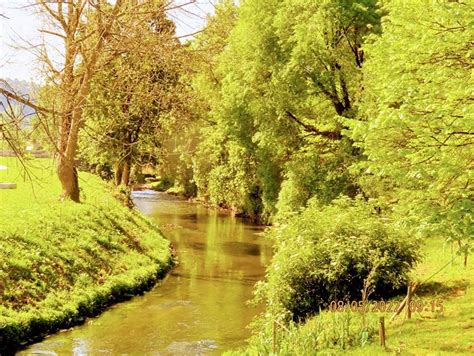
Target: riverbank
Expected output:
[159,186]
[446,331]
[62,262]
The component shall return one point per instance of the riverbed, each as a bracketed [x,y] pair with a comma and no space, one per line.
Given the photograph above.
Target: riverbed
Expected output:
[200,308]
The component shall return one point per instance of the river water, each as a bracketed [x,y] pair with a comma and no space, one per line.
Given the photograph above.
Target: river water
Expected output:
[200,307]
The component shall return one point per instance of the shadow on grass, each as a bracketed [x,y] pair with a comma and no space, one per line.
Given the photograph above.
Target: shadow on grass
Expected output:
[429,289]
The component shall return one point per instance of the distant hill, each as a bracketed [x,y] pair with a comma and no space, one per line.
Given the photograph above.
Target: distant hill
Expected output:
[21,87]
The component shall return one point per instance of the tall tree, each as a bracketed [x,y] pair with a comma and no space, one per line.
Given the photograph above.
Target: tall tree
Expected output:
[289,83]
[419,129]
[93,34]
[136,96]
[84,27]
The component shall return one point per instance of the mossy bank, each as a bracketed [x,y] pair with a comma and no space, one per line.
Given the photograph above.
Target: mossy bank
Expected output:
[61,262]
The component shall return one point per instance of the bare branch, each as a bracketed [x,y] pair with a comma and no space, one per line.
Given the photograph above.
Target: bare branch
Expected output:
[23,100]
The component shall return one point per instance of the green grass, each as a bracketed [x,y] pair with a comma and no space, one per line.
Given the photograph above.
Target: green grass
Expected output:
[61,261]
[450,332]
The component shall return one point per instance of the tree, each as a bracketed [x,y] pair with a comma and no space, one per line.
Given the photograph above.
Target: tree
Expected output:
[288,81]
[93,34]
[136,96]
[419,127]
[85,27]
[220,164]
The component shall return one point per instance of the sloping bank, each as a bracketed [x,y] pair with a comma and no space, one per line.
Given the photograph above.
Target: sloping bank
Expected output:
[61,262]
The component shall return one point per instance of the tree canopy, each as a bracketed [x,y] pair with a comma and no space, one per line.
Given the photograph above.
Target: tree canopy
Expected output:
[417,120]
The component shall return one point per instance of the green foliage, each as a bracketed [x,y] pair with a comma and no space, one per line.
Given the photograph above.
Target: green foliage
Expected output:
[224,168]
[329,253]
[352,333]
[418,132]
[328,332]
[135,100]
[402,99]
[310,174]
[162,184]
[62,261]
[224,174]
[273,93]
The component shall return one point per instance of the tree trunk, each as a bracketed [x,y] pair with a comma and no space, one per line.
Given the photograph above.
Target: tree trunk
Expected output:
[466,252]
[126,173]
[67,174]
[127,160]
[118,173]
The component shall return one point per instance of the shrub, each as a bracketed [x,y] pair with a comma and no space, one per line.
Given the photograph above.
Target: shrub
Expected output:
[162,184]
[327,253]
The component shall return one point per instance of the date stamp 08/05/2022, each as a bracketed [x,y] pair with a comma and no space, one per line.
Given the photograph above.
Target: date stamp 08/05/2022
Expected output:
[416,306]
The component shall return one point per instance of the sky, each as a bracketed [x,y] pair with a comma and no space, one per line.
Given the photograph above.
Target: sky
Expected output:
[19,30]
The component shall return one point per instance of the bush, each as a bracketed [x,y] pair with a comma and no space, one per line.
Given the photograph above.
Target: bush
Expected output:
[162,184]
[327,253]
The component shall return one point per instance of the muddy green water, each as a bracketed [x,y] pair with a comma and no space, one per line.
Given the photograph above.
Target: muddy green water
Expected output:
[200,307]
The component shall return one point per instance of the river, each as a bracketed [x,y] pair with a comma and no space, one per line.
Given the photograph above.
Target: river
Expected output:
[199,308]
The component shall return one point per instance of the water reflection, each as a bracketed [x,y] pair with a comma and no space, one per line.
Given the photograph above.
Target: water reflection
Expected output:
[201,306]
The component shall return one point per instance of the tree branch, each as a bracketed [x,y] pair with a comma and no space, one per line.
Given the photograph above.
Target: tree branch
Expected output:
[332,135]
[24,101]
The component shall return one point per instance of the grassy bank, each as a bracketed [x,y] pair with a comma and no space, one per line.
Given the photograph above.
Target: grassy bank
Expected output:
[60,261]
[447,332]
